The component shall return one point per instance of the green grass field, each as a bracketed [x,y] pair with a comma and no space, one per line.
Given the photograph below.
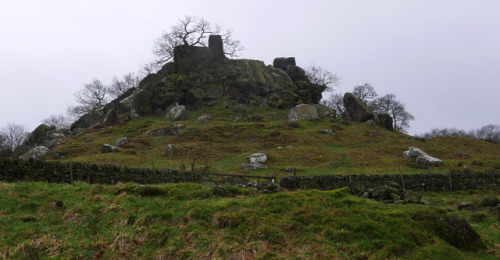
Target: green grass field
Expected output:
[193,221]
[188,221]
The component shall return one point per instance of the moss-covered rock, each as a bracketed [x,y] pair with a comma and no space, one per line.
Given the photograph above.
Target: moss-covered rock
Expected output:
[356,110]
[38,136]
[385,121]
[489,201]
[452,228]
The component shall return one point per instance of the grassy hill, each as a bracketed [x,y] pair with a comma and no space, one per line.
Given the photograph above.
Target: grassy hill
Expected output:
[221,145]
[193,221]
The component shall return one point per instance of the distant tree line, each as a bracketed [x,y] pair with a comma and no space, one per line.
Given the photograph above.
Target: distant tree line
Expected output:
[388,104]
[490,133]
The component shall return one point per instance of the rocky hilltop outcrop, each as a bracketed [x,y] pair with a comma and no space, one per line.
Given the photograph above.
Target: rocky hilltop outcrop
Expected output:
[203,76]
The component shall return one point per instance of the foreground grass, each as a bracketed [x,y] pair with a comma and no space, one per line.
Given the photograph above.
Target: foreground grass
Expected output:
[40,220]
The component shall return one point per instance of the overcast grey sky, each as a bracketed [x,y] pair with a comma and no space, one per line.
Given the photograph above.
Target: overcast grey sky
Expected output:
[441,58]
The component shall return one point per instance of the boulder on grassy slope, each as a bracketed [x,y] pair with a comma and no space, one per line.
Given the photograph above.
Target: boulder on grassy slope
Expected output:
[422,157]
[177,113]
[37,153]
[356,110]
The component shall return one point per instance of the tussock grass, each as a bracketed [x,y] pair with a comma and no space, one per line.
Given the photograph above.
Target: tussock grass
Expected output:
[196,221]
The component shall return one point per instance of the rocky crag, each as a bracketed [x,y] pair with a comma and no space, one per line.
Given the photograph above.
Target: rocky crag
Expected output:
[203,76]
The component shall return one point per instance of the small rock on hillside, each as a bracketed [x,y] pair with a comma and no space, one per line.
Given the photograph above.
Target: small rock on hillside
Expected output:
[177,113]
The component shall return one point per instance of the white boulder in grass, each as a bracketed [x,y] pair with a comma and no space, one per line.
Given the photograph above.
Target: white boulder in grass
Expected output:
[36,153]
[258,158]
[422,157]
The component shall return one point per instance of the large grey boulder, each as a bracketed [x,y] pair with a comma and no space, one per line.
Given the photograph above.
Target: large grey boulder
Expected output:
[356,110]
[38,136]
[422,157]
[177,113]
[303,112]
[257,158]
[5,151]
[110,117]
[37,153]
[324,111]
[284,62]
[137,104]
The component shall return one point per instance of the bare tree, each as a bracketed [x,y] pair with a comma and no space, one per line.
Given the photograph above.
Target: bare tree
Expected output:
[58,121]
[320,76]
[13,134]
[193,31]
[92,96]
[489,132]
[388,104]
[120,86]
[364,92]
[335,101]
[149,68]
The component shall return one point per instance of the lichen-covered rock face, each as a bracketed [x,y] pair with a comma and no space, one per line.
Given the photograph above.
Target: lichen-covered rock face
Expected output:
[303,112]
[137,104]
[203,76]
[38,136]
[37,153]
[284,62]
[177,113]
[357,110]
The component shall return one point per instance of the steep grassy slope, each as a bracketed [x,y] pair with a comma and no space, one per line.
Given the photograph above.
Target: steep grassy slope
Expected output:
[188,221]
[222,144]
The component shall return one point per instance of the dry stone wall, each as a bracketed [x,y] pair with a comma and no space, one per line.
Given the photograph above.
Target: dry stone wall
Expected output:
[64,172]
[416,182]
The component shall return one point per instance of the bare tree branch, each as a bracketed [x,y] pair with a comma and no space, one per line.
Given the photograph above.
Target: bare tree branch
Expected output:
[320,76]
[120,86]
[364,92]
[192,31]
[58,121]
[13,134]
